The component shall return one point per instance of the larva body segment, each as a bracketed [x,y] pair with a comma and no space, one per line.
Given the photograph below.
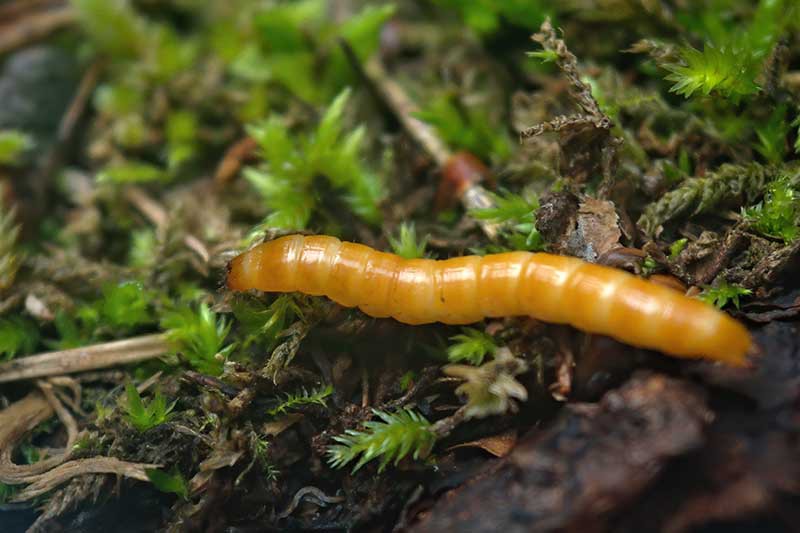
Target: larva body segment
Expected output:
[461,290]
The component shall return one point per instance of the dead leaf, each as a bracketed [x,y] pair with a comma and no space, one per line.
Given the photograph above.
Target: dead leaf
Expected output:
[498,445]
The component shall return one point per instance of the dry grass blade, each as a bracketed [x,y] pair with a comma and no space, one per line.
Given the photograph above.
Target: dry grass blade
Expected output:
[86,358]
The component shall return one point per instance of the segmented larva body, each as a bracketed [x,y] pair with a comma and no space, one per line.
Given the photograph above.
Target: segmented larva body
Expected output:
[461,290]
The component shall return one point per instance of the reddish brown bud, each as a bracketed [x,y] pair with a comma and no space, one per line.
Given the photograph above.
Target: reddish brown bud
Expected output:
[461,171]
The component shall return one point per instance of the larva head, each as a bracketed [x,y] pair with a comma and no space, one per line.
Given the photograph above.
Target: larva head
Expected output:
[697,329]
[731,343]
[269,267]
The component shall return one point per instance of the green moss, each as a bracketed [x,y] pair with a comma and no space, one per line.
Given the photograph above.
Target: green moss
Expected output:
[730,183]
[772,136]
[199,336]
[261,323]
[171,482]
[145,415]
[730,64]
[466,127]
[778,215]
[13,144]
[392,438]
[406,244]
[285,180]
[18,335]
[485,16]
[113,25]
[516,213]
[723,293]
[132,172]
[300,398]
[471,346]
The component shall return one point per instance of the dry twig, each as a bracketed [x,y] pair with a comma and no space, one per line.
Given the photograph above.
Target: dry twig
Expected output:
[92,357]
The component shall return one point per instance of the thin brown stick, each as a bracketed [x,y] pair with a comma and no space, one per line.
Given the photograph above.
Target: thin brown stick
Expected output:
[79,101]
[103,355]
[63,414]
[68,123]
[235,157]
[33,27]
[16,421]
[80,467]
[67,382]
[19,419]
[14,10]
[404,108]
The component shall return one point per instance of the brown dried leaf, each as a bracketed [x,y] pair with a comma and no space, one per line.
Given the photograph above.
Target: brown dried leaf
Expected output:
[597,232]
[498,445]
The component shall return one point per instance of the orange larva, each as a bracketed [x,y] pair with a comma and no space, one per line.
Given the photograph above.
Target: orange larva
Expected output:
[551,288]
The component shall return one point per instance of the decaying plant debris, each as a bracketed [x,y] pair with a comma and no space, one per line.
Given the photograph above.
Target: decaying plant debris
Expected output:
[143,144]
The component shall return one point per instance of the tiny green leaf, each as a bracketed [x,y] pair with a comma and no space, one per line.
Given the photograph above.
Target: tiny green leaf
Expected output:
[406,244]
[392,438]
[300,398]
[172,482]
[13,144]
[472,346]
[199,336]
[144,416]
[676,248]
[723,293]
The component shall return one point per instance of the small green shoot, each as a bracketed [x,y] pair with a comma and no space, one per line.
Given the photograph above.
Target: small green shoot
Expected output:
[286,179]
[676,248]
[484,16]
[406,244]
[729,64]
[301,398]
[144,416]
[466,128]
[131,172]
[13,144]
[778,215]
[407,380]
[517,214]
[649,266]
[772,136]
[545,56]
[261,453]
[171,482]
[263,324]
[113,25]
[181,132]
[142,252]
[125,305]
[199,336]
[723,293]
[394,437]
[122,308]
[17,336]
[726,69]
[471,346]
